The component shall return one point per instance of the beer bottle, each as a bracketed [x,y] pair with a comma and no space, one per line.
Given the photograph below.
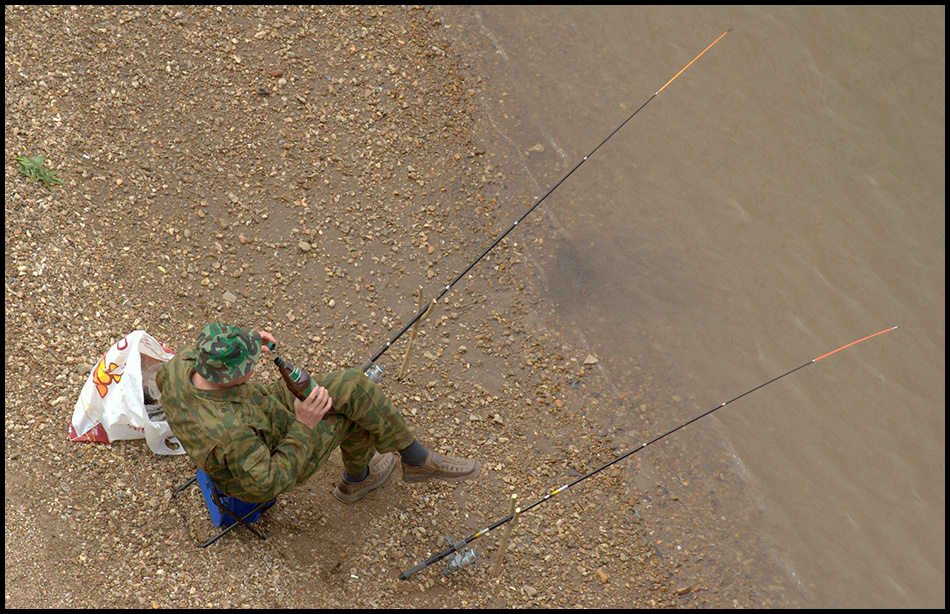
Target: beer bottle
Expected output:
[298,381]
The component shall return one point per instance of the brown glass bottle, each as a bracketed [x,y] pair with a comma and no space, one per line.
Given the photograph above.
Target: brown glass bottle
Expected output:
[298,381]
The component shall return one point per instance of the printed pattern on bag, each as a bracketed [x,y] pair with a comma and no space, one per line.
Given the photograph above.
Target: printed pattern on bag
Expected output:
[104,377]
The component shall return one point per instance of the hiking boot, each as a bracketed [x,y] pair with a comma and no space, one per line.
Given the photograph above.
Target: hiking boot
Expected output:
[439,467]
[379,469]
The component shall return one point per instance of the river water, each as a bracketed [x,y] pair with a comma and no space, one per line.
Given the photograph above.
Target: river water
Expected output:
[783,197]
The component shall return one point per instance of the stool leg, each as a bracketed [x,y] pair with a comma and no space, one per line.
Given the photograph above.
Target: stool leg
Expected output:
[239,521]
[243,520]
[184,486]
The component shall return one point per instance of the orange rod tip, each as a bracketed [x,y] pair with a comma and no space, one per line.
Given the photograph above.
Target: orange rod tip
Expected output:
[843,347]
[682,70]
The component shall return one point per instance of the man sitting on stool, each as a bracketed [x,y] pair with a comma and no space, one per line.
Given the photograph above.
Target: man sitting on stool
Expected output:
[258,441]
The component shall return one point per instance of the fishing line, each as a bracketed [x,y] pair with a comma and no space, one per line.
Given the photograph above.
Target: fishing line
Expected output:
[460,545]
[369,363]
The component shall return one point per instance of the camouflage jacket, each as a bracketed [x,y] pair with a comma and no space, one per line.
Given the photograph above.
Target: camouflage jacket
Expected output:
[246,437]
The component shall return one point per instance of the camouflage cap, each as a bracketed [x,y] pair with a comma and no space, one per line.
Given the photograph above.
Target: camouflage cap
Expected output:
[226,352]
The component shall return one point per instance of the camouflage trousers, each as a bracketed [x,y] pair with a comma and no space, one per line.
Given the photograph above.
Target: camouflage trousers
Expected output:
[361,422]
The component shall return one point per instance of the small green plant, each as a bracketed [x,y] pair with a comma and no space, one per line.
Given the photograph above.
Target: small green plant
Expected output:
[33,167]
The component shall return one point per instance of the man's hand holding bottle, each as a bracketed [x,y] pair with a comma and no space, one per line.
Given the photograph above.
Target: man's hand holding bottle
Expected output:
[312,409]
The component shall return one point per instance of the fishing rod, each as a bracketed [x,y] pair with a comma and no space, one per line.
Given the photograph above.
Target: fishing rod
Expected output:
[375,371]
[466,556]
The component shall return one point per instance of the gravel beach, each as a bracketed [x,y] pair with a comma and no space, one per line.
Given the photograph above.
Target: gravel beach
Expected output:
[304,171]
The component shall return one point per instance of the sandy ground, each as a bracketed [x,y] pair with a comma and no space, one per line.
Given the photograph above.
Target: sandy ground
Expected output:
[301,171]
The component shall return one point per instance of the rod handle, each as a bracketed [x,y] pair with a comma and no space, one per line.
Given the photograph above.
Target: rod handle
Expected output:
[405,575]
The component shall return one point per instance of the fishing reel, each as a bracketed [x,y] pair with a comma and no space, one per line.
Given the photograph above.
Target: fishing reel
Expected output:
[461,558]
[374,373]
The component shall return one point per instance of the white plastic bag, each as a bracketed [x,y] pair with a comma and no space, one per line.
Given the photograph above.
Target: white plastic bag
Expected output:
[112,404]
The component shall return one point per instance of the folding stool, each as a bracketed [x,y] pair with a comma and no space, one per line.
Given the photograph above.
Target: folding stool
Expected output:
[226,511]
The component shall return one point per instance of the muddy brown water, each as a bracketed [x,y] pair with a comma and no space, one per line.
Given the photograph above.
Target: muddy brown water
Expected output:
[783,197]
